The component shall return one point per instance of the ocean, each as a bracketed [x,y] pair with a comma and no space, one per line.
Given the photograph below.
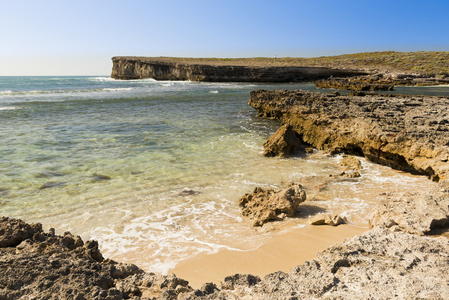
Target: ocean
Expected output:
[154,170]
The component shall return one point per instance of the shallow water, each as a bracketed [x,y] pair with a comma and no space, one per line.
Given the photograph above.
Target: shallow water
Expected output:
[154,170]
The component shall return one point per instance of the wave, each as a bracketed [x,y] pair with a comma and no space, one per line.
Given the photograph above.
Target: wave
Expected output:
[44,92]
[117,89]
[122,80]
[9,108]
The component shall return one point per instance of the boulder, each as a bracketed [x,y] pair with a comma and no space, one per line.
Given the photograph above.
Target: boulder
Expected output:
[267,205]
[328,219]
[283,142]
[349,162]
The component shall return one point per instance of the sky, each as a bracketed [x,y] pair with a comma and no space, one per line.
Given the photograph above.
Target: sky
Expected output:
[68,37]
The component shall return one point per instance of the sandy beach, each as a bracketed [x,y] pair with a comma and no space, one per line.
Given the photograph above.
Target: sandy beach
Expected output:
[281,253]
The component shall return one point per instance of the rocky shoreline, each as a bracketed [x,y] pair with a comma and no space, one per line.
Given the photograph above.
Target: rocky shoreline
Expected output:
[394,260]
[404,256]
[408,133]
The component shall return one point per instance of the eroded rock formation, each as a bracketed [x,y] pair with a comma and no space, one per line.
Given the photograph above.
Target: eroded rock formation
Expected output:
[267,205]
[418,213]
[379,82]
[125,67]
[380,264]
[409,133]
[284,142]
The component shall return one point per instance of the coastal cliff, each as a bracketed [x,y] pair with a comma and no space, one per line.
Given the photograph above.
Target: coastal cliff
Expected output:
[159,69]
[366,71]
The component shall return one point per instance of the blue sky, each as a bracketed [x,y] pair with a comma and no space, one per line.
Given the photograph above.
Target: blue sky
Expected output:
[63,37]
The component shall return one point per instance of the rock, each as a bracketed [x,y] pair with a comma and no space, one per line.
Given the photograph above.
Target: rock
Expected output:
[408,133]
[264,206]
[126,67]
[375,265]
[347,84]
[52,184]
[14,231]
[39,265]
[100,177]
[351,163]
[328,219]
[418,213]
[283,142]
[347,174]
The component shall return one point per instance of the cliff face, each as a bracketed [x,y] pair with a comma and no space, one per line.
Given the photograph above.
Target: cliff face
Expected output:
[139,68]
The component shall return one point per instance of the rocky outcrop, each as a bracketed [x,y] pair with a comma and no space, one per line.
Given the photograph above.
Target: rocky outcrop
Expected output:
[409,133]
[376,265]
[39,265]
[418,213]
[344,84]
[380,81]
[386,262]
[125,67]
[267,205]
[284,142]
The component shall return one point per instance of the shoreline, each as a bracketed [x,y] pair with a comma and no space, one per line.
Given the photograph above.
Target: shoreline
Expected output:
[401,246]
[281,252]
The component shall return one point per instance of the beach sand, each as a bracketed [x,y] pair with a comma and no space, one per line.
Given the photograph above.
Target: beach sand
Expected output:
[280,253]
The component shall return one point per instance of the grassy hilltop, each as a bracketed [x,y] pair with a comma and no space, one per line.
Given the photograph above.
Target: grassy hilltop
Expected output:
[425,62]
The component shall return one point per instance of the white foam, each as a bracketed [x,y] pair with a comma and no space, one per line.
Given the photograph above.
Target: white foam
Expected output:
[9,108]
[213,92]
[117,89]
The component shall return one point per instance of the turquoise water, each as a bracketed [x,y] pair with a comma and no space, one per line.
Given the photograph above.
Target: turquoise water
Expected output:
[153,170]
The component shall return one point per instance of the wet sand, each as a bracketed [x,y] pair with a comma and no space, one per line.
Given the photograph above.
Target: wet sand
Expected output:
[281,253]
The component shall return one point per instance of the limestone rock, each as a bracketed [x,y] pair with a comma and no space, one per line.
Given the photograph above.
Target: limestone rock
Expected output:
[408,133]
[350,162]
[48,266]
[328,219]
[417,213]
[126,67]
[266,205]
[283,142]
[14,231]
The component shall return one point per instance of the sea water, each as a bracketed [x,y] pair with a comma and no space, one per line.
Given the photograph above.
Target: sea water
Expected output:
[154,170]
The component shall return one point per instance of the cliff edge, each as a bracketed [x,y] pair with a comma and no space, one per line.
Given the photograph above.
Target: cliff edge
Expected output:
[125,67]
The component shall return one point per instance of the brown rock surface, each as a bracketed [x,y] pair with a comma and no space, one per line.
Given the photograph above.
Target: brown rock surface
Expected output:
[327,219]
[284,142]
[409,133]
[39,265]
[267,205]
[421,213]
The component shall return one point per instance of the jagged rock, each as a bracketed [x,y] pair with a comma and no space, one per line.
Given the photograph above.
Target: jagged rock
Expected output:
[39,265]
[409,133]
[351,163]
[328,219]
[264,206]
[346,84]
[14,231]
[418,213]
[283,142]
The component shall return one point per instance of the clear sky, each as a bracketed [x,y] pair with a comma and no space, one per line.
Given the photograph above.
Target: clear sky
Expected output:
[79,37]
